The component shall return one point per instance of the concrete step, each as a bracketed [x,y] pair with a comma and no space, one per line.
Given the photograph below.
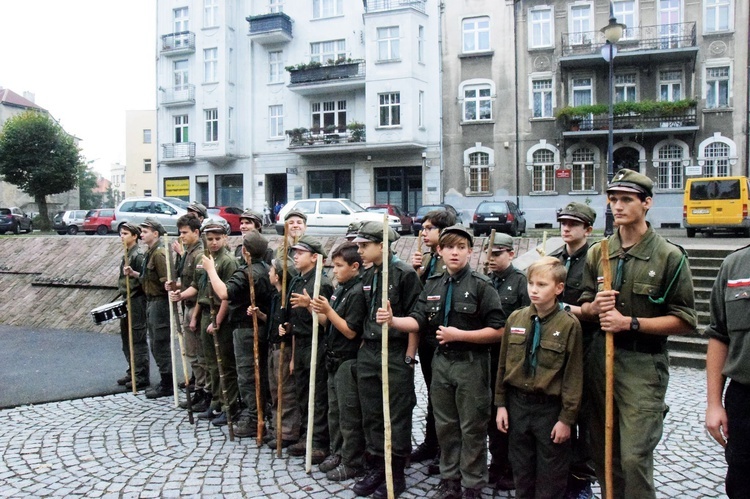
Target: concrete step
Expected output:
[701,261]
[701,293]
[704,272]
[713,252]
[687,359]
[688,344]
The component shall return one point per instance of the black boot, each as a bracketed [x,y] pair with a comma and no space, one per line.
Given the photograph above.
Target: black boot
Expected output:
[373,479]
[163,389]
[399,480]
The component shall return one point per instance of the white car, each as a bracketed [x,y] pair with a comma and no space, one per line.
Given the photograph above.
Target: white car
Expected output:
[331,216]
[166,210]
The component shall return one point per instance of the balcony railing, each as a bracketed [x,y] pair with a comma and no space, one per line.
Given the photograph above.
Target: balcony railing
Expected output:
[178,43]
[301,137]
[325,73]
[183,151]
[662,37]
[270,28]
[383,5]
[176,96]
[639,122]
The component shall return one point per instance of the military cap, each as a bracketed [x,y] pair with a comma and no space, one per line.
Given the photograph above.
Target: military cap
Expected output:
[255,244]
[629,181]
[309,243]
[578,212]
[295,213]
[198,208]
[459,230]
[154,224]
[278,265]
[211,225]
[372,231]
[253,216]
[351,231]
[502,242]
[132,228]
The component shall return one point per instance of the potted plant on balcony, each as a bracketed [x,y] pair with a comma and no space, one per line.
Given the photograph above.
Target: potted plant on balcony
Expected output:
[357,130]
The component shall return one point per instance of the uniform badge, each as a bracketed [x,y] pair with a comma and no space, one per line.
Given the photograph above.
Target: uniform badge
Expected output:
[651,273]
[333,297]
[433,298]
[600,279]
[466,295]
[556,333]
[738,283]
[366,288]
[510,288]
[518,330]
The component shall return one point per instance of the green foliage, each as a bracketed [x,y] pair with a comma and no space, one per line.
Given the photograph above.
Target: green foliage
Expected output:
[315,64]
[644,107]
[86,184]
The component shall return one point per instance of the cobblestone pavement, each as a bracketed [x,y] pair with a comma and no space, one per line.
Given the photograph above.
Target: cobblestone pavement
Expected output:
[127,446]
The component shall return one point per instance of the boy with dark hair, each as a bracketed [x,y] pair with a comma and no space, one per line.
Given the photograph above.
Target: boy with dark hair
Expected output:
[539,383]
[462,309]
[344,315]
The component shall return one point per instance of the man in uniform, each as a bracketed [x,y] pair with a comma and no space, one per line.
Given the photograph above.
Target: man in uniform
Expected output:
[199,209]
[651,298]
[729,357]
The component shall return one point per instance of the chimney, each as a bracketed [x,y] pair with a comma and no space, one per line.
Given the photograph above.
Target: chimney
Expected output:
[29,96]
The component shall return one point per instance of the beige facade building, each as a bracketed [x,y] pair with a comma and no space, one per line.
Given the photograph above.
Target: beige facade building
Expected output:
[140,155]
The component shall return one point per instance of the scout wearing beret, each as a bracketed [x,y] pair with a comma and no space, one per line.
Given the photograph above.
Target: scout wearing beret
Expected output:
[651,297]
[199,209]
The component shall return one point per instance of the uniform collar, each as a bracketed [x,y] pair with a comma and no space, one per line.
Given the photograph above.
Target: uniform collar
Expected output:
[505,273]
[642,249]
[458,276]
[533,312]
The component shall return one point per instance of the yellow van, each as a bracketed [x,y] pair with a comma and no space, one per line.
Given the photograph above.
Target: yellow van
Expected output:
[716,203]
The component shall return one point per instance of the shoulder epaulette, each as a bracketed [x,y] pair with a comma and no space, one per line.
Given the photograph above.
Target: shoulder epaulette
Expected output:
[436,275]
[481,276]
[682,250]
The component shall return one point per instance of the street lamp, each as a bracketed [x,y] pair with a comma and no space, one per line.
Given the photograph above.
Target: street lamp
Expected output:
[612,33]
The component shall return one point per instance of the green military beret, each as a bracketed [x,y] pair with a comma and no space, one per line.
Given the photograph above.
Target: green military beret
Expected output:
[211,225]
[578,212]
[309,243]
[372,231]
[502,241]
[458,230]
[351,231]
[198,208]
[629,181]
[295,213]
[154,224]
[132,228]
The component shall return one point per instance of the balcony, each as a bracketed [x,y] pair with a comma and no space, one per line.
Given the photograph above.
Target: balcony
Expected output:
[313,78]
[271,28]
[641,45]
[681,119]
[178,43]
[183,152]
[328,140]
[178,96]
[386,5]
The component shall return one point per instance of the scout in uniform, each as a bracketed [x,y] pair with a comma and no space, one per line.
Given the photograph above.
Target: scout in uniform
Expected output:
[510,284]
[296,223]
[427,264]
[539,383]
[462,309]
[344,316]
[403,290]
[152,278]
[300,292]
[729,357]
[651,298]
[129,234]
[199,209]
[250,220]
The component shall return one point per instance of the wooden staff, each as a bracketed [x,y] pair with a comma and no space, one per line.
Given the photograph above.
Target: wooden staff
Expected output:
[609,393]
[130,320]
[543,250]
[175,388]
[279,387]
[256,348]
[487,253]
[384,365]
[174,324]
[313,368]
[419,250]
[217,349]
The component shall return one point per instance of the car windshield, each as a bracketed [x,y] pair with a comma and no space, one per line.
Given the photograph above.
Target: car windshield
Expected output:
[4,211]
[377,209]
[424,210]
[492,208]
[178,202]
[91,213]
[353,207]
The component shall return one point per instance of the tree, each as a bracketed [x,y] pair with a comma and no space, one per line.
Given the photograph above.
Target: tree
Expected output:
[87,178]
[38,157]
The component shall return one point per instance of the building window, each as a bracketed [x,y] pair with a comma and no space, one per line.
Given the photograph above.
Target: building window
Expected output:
[229,190]
[388,43]
[230,124]
[717,87]
[421,109]
[543,171]
[583,91]
[210,63]
[625,85]
[146,135]
[181,128]
[716,162]
[670,85]
[275,121]
[389,109]
[180,73]
[331,50]
[479,172]
[580,24]
[329,184]
[626,13]
[275,6]
[212,125]
[583,170]
[327,8]
[718,14]
[541,97]
[476,33]
[670,17]
[477,103]
[146,166]
[670,167]
[181,20]
[275,67]
[210,13]
[420,45]
[541,31]
[329,115]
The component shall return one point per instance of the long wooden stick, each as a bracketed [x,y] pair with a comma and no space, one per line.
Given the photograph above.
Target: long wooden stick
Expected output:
[130,320]
[487,253]
[543,250]
[384,366]
[313,368]
[256,353]
[172,353]
[282,344]
[609,394]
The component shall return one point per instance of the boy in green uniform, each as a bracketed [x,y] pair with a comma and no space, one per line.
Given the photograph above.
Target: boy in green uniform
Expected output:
[462,309]
[403,290]
[129,234]
[651,298]
[540,378]
[152,279]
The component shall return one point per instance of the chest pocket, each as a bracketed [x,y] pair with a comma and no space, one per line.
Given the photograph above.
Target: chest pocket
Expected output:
[516,349]
[434,313]
[738,308]
[646,290]
[551,354]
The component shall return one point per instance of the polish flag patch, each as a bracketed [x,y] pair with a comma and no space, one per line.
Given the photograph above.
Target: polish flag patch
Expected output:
[518,330]
[738,283]
[433,298]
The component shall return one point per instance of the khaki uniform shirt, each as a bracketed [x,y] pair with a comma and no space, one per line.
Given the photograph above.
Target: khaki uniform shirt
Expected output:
[135,261]
[432,264]
[188,262]
[225,264]
[155,272]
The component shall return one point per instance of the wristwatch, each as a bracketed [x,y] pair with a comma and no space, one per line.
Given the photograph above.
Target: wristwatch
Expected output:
[635,326]
[408,360]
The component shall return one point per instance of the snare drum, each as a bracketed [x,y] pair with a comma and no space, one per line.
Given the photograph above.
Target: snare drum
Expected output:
[110,312]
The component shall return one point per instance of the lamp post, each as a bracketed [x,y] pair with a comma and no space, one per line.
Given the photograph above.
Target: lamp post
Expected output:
[612,33]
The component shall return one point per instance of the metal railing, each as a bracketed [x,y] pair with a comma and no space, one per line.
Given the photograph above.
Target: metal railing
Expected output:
[660,37]
[630,121]
[277,21]
[383,5]
[183,40]
[181,150]
[174,95]
[310,138]
[326,73]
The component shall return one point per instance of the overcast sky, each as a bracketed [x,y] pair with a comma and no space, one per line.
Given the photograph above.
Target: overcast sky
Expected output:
[87,62]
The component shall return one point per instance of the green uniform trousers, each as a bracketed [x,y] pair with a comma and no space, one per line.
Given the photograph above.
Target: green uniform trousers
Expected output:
[157,318]
[226,351]
[302,373]
[345,415]
[140,338]
[194,348]
[244,354]
[290,415]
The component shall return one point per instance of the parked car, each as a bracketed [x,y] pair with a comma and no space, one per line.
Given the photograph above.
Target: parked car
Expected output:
[14,220]
[229,213]
[98,221]
[424,210]
[69,222]
[396,211]
[712,204]
[166,210]
[503,216]
[331,215]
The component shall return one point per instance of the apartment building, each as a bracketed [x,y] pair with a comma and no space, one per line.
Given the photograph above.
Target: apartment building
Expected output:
[140,156]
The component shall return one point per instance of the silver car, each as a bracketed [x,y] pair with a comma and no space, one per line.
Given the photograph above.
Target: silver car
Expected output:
[332,215]
[166,210]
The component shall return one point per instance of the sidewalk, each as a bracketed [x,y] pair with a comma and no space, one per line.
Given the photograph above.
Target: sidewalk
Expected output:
[127,446]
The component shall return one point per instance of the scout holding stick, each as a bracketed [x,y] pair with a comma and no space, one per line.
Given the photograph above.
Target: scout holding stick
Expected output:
[487,253]
[313,369]
[384,366]
[609,356]
[130,323]
[256,353]
[280,388]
